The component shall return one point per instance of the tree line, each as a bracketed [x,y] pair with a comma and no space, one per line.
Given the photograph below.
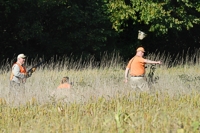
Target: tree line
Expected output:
[91,27]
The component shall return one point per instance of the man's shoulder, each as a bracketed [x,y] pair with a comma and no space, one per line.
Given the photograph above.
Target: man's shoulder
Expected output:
[138,57]
[16,66]
[65,85]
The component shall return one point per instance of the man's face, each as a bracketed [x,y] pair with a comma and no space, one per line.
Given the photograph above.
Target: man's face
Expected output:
[141,53]
[21,60]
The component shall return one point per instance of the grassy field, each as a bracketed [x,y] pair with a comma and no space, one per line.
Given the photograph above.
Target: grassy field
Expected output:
[100,101]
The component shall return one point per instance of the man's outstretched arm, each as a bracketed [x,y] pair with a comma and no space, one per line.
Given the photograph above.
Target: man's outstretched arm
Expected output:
[152,62]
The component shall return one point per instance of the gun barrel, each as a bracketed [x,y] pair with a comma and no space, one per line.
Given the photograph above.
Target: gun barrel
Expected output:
[31,69]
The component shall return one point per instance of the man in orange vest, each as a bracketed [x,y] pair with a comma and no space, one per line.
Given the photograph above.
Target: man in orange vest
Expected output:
[136,66]
[17,80]
[18,74]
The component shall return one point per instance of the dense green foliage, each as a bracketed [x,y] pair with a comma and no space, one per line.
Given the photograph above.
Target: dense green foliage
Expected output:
[48,27]
[173,25]
[159,16]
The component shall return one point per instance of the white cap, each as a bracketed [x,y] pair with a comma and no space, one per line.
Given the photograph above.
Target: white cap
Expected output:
[21,56]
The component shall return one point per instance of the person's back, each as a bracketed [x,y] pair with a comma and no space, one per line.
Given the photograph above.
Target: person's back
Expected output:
[64,83]
[64,86]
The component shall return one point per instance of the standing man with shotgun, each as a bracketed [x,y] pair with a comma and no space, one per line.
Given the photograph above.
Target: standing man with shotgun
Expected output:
[18,74]
[17,79]
[136,66]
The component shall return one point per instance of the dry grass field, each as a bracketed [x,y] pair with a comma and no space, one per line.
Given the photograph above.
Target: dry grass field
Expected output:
[100,101]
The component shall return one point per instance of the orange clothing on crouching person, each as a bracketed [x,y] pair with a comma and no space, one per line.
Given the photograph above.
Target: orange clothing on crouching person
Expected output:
[136,66]
[64,86]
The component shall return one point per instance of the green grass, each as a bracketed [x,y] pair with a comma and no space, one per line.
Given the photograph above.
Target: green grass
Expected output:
[100,101]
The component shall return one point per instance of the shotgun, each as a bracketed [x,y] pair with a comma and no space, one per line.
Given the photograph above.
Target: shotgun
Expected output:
[31,70]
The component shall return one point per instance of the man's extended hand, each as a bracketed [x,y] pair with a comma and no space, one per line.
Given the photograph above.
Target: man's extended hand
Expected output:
[27,75]
[159,62]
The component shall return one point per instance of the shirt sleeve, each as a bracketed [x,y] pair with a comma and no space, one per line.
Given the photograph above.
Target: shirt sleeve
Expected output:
[16,71]
[142,60]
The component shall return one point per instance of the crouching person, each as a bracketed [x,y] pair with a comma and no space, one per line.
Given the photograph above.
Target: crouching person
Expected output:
[64,83]
[63,90]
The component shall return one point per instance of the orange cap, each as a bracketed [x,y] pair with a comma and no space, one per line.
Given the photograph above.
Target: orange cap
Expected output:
[140,49]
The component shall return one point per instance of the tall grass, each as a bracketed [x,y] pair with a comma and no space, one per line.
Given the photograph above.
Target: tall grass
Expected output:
[100,101]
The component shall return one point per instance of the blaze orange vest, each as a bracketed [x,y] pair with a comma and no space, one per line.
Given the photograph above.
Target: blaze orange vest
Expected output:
[22,70]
